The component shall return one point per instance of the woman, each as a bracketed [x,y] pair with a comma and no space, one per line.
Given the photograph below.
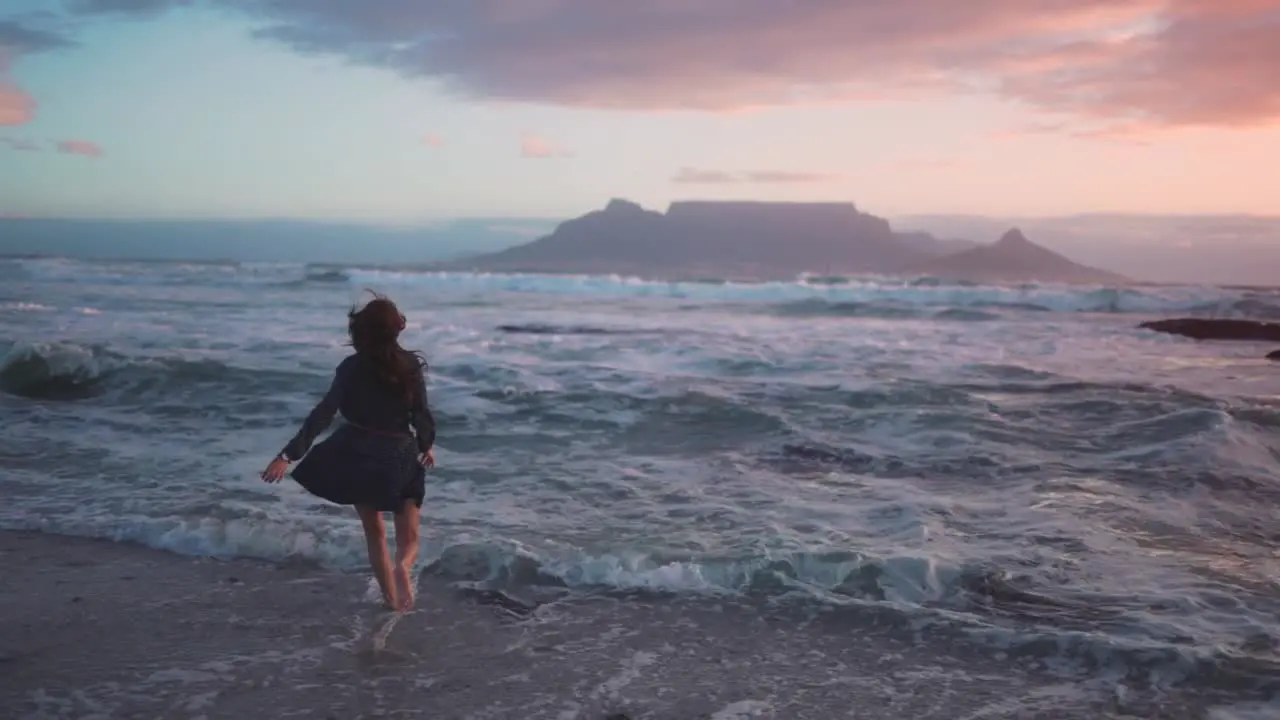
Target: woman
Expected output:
[372,462]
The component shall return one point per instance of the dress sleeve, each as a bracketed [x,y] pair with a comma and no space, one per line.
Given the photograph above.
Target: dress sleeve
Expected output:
[318,420]
[424,423]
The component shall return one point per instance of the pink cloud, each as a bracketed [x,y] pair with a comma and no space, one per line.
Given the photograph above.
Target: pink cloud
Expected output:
[16,40]
[786,177]
[432,140]
[927,164]
[1148,63]
[1166,62]
[16,106]
[695,176]
[79,147]
[538,147]
[1126,132]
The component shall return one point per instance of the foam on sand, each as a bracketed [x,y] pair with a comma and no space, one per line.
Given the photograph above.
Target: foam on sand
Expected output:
[93,628]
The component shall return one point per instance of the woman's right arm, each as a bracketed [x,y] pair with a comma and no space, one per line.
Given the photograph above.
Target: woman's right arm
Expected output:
[320,417]
[318,420]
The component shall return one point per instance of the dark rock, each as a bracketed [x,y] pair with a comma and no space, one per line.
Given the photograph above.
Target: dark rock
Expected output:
[1212,329]
[1274,355]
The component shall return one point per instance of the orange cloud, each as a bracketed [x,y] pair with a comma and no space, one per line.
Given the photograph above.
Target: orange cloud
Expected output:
[535,146]
[16,107]
[16,40]
[79,147]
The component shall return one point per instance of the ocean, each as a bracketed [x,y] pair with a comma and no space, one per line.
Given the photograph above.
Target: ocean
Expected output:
[1018,471]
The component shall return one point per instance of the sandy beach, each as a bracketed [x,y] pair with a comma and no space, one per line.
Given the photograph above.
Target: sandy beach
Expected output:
[95,629]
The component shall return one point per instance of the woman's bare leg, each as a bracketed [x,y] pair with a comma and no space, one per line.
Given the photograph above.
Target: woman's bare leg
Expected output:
[375,537]
[406,552]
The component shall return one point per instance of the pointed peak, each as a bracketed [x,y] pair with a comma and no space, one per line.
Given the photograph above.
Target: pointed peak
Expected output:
[620,205]
[1013,238]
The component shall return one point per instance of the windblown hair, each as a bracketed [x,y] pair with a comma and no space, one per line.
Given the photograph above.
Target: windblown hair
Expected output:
[375,334]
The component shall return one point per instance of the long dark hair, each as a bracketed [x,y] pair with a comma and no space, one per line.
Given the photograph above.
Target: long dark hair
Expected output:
[375,334]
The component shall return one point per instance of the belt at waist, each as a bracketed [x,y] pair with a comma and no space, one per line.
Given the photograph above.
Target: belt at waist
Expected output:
[384,433]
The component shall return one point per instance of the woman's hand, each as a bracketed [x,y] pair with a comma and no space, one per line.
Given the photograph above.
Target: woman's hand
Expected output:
[275,471]
[428,459]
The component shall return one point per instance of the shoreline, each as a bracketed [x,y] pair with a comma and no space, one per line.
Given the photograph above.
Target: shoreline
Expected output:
[93,628]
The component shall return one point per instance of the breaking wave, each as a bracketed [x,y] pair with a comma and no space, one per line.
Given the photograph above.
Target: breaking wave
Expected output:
[63,371]
[1060,489]
[803,297]
[917,592]
[854,297]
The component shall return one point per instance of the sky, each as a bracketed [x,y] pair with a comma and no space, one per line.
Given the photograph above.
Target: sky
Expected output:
[405,111]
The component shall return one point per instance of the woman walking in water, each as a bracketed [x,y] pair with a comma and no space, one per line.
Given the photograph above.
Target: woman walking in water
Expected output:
[372,461]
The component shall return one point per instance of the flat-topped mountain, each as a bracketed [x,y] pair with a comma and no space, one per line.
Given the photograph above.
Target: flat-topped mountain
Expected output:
[1013,258]
[761,240]
[768,241]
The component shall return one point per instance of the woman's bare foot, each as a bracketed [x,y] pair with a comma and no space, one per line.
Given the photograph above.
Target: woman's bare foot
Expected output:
[404,587]
[390,601]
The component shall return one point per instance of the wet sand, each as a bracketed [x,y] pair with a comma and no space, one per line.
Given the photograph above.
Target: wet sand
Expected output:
[94,629]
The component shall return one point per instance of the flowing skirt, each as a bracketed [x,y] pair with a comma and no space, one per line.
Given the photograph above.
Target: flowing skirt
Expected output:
[354,466]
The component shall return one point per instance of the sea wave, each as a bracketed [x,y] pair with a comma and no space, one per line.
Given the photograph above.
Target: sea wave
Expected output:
[67,371]
[1051,484]
[24,307]
[885,297]
[806,296]
[326,274]
[914,591]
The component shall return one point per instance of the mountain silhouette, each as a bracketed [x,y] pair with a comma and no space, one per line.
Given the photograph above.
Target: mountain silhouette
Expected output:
[769,241]
[1013,258]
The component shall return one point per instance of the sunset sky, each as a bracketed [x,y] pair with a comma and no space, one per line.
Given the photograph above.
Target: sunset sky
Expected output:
[408,110]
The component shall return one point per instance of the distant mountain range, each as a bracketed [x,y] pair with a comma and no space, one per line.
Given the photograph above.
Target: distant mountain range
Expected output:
[1217,249]
[772,241]
[264,240]
[1013,258]
[1192,248]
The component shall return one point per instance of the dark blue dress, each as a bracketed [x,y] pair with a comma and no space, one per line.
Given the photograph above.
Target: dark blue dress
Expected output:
[372,460]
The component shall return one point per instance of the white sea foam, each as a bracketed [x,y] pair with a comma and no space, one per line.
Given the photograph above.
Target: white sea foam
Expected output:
[1059,298]
[911,583]
[744,710]
[25,307]
[1058,478]
[1246,711]
[919,293]
[56,359]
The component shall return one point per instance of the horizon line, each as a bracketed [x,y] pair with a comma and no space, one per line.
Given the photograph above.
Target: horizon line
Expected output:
[429,222]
